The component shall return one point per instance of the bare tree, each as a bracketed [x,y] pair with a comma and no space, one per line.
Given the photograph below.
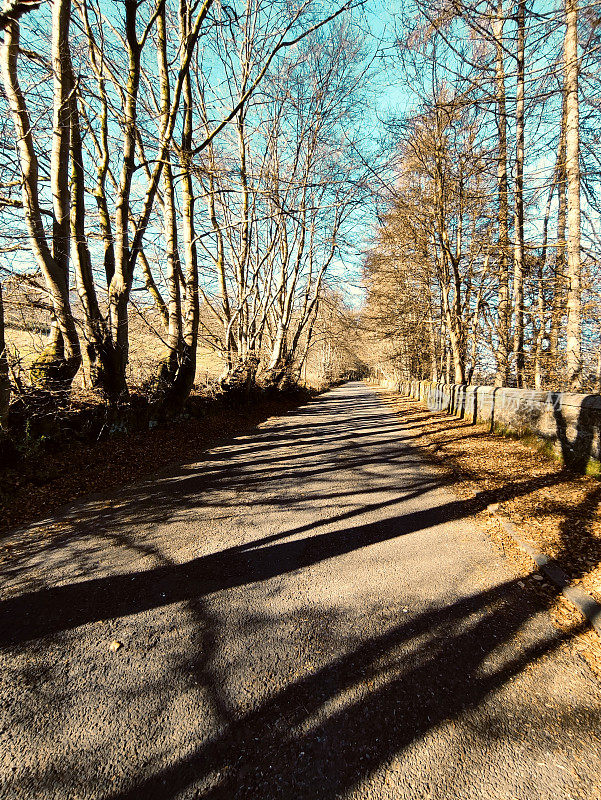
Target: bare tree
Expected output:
[61,358]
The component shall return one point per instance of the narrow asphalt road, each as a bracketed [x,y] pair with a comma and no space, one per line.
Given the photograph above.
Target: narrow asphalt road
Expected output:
[305,613]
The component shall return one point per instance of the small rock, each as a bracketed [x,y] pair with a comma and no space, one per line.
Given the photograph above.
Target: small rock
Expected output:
[522,584]
[115,645]
[538,577]
[492,508]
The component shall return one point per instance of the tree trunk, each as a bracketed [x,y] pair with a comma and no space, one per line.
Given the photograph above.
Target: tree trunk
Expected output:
[61,357]
[182,381]
[502,373]
[101,362]
[120,285]
[169,364]
[455,341]
[178,388]
[541,304]
[559,277]
[573,344]
[518,252]
[242,378]
[432,339]
[4,379]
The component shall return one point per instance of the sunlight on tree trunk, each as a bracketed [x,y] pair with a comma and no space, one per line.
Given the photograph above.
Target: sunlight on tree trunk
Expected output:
[502,373]
[573,330]
[518,252]
[60,359]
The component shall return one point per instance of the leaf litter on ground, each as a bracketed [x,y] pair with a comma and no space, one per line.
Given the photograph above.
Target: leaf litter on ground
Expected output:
[555,510]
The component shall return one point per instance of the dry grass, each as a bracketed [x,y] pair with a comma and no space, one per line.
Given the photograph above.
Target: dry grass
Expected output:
[146,350]
[555,510]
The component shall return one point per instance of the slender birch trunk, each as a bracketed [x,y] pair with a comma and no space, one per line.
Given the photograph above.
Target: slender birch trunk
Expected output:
[452,314]
[559,274]
[502,373]
[180,386]
[187,372]
[120,285]
[573,328]
[432,336]
[518,251]
[540,292]
[472,344]
[101,363]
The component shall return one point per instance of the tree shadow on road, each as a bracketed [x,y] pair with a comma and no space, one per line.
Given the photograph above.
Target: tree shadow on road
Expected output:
[57,608]
[367,696]
[323,734]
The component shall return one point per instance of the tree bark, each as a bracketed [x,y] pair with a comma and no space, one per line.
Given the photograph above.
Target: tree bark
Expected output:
[169,364]
[518,251]
[4,379]
[539,375]
[101,362]
[559,276]
[60,359]
[179,389]
[502,372]
[120,285]
[573,328]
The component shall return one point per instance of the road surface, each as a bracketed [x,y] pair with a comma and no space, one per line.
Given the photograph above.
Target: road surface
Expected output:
[307,612]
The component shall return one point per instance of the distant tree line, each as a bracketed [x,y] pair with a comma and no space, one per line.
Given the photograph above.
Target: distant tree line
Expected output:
[486,262]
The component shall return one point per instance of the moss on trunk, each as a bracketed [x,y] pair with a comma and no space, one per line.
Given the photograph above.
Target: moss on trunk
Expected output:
[175,377]
[242,377]
[52,370]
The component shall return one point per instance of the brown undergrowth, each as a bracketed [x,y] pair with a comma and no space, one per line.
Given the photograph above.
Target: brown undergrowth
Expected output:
[556,510]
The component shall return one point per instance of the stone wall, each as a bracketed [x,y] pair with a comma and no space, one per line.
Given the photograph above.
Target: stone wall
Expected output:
[566,424]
